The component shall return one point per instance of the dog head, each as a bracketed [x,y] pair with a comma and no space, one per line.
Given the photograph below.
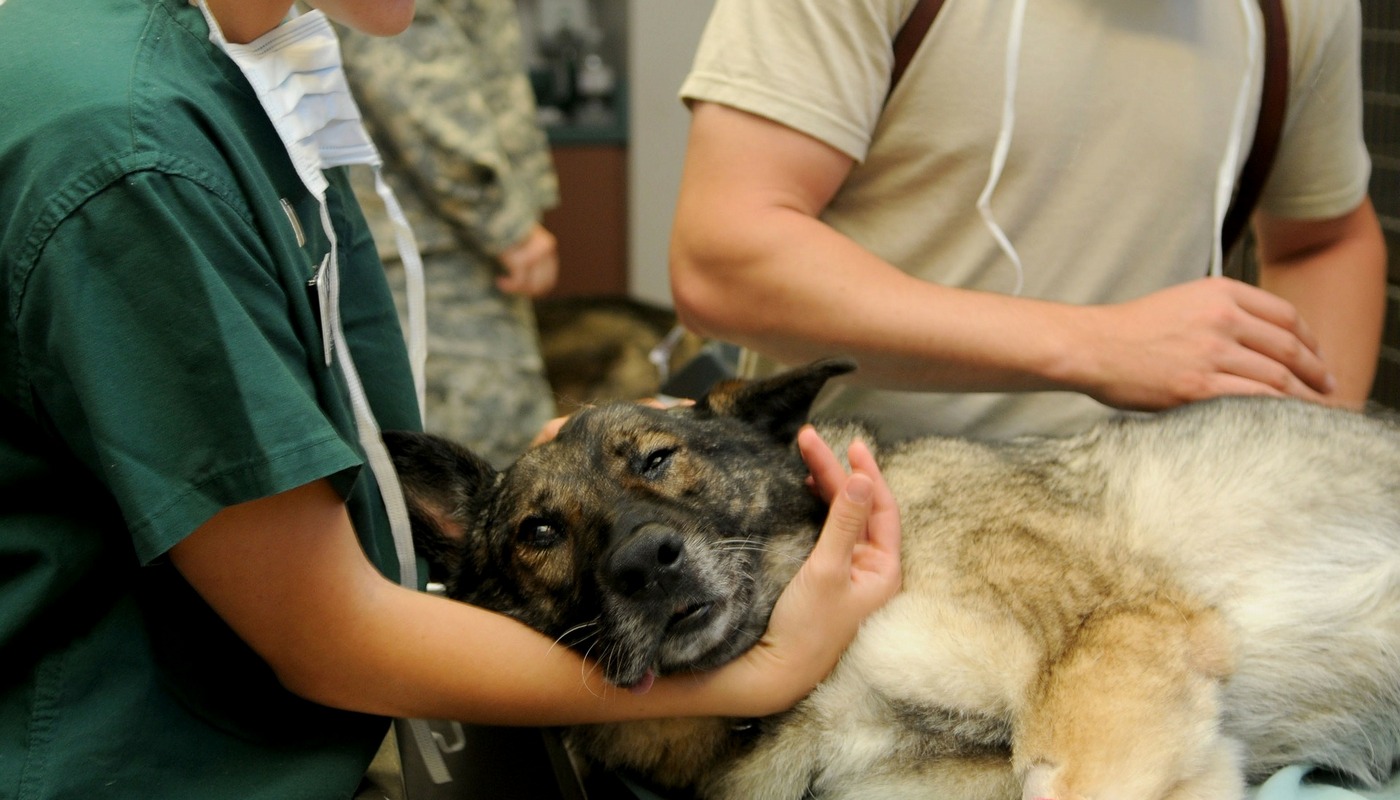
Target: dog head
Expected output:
[654,541]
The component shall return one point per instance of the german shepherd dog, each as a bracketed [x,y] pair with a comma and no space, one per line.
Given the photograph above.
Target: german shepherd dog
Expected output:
[1166,606]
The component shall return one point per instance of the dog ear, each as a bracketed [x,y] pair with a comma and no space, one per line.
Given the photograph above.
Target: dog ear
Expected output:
[778,404]
[439,479]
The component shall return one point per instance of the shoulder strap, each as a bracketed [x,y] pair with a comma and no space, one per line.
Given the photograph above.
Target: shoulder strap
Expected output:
[910,36]
[1273,103]
[1273,106]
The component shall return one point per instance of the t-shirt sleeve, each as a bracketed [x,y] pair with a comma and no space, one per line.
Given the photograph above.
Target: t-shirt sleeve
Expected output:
[174,359]
[818,67]
[1322,169]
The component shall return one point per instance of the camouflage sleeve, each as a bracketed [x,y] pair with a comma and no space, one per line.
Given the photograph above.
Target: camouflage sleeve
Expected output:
[450,106]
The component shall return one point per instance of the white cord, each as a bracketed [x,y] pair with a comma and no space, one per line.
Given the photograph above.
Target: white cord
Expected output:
[1229,165]
[414,291]
[1003,143]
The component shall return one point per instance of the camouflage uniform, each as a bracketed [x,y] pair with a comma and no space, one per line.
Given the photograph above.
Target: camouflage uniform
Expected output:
[450,106]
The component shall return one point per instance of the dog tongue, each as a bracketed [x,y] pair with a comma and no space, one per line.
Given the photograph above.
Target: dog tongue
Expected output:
[643,684]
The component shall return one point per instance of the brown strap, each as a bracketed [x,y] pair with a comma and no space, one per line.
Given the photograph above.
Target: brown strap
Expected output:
[907,41]
[1273,106]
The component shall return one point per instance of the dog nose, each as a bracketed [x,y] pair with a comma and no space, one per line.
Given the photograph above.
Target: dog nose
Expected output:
[650,559]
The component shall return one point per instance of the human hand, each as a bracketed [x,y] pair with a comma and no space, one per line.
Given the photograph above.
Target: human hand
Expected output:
[1206,338]
[549,431]
[853,570]
[531,265]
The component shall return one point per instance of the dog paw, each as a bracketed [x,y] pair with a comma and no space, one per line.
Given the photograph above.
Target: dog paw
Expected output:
[1039,783]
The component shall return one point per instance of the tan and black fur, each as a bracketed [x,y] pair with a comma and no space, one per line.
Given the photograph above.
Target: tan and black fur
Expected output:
[1166,606]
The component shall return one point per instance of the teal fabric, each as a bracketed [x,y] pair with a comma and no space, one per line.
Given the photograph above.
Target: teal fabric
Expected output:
[160,360]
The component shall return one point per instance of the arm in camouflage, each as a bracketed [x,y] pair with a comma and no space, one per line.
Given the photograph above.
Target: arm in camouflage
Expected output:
[449,104]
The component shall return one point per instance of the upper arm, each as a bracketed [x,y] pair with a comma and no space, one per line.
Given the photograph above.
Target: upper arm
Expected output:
[746,180]
[286,573]
[1283,240]
[738,164]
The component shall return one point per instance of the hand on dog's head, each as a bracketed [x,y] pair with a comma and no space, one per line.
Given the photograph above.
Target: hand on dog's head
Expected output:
[540,541]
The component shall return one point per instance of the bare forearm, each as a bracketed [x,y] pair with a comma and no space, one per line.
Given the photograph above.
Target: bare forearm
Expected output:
[1341,294]
[791,287]
[787,285]
[415,655]
[288,575]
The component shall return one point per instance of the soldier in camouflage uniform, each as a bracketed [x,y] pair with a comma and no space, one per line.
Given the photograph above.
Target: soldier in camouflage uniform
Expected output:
[450,106]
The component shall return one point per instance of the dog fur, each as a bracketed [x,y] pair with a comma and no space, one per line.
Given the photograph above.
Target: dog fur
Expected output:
[1166,606]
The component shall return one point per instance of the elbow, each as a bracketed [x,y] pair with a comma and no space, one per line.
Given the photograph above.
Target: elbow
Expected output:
[315,683]
[694,310]
[708,297]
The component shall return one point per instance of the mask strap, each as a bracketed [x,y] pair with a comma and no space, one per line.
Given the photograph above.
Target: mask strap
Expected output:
[368,429]
[1003,143]
[1229,164]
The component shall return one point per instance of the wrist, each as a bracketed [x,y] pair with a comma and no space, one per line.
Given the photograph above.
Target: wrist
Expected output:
[1063,355]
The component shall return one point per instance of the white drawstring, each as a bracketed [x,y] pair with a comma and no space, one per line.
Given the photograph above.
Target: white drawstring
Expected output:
[1229,165]
[1003,143]
[1226,175]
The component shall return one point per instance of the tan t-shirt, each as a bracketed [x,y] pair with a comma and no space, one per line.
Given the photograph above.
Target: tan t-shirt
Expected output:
[1123,113]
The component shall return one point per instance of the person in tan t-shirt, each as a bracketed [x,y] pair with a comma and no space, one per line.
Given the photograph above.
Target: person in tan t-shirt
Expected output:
[1038,293]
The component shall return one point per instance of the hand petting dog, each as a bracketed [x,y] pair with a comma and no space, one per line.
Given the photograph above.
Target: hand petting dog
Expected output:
[853,571]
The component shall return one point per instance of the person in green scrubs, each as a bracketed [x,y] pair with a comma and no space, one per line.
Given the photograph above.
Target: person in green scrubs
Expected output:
[199,591]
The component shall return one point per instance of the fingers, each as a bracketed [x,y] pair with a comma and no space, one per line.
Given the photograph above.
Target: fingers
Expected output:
[1288,362]
[845,523]
[549,431]
[1274,310]
[1250,372]
[827,472]
[860,541]
[531,279]
[883,532]
[1207,338]
[669,402]
[531,266]
[853,569]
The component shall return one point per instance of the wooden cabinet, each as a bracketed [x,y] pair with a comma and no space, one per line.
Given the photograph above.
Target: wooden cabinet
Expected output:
[590,221]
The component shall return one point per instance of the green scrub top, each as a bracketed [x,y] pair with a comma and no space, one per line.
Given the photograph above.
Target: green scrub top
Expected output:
[162,360]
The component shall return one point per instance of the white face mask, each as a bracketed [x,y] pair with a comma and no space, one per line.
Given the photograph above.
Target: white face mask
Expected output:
[295,70]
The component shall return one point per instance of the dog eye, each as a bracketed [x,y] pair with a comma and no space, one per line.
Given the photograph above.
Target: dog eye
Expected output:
[654,463]
[539,533]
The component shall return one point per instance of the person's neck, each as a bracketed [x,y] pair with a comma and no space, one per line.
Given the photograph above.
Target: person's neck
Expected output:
[242,21]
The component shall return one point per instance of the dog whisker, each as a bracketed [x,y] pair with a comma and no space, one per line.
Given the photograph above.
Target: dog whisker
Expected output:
[588,667]
[742,545]
[593,623]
